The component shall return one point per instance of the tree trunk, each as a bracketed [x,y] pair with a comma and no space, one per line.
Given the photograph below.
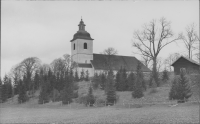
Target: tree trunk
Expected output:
[155,73]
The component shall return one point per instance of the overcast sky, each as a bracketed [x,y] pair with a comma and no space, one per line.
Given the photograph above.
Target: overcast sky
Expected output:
[44,29]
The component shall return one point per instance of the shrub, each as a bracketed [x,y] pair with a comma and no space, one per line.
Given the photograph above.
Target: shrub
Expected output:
[153,90]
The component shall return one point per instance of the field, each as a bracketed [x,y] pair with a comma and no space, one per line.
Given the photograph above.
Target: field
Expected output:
[183,113]
[154,107]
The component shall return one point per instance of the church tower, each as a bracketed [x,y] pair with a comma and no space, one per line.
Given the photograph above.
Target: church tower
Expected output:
[82,45]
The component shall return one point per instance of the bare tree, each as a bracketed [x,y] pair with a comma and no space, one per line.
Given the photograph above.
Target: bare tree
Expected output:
[110,52]
[27,68]
[190,39]
[146,61]
[170,59]
[152,40]
[61,64]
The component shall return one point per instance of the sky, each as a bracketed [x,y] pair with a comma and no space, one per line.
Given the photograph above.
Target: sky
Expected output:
[44,29]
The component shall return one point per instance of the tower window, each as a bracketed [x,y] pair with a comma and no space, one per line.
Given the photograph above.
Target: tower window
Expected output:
[74,46]
[85,45]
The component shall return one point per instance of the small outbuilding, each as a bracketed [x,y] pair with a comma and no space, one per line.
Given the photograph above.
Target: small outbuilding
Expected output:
[183,62]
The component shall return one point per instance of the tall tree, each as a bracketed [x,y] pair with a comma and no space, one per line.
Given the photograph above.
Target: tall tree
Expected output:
[28,67]
[22,92]
[82,77]
[1,90]
[87,76]
[76,76]
[152,40]
[102,81]
[131,81]
[68,92]
[138,91]
[190,39]
[90,97]
[110,90]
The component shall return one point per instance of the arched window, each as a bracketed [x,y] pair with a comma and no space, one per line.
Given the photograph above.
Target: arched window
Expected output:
[85,45]
[74,46]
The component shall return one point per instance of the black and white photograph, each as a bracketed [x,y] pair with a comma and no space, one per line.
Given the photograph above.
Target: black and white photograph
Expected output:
[100,62]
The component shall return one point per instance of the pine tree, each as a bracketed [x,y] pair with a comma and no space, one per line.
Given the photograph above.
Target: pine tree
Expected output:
[165,75]
[102,81]
[110,90]
[131,81]
[76,76]
[87,76]
[44,93]
[124,80]
[4,91]
[95,81]
[1,90]
[36,81]
[173,93]
[183,87]
[22,92]
[82,77]
[68,92]
[137,91]
[117,80]
[90,97]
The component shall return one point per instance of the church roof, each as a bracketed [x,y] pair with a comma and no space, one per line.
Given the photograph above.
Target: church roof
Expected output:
[128,62]
[81,33]
[84,65]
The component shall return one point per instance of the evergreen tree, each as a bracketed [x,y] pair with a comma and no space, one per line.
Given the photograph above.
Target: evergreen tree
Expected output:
[36,81]
[95,81]
[76,76]
[87,76]
[1,90]
[90,97]
[102,81]
[5,89]
[137,91]
[110,93]
[117,80]
[124,80]
[182,89]
[44,91]
[15,84]
[68,92]
[22,92]
[173,93]
[82,77]
[131,81]
[165,75]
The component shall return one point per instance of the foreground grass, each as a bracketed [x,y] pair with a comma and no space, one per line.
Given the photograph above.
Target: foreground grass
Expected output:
[183,113]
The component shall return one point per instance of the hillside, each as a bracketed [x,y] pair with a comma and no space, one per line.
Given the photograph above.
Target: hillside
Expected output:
[157,96]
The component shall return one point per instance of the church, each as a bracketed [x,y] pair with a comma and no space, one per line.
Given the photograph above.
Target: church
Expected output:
[82,54]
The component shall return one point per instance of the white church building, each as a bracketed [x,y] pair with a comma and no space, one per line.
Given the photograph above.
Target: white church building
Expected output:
[82,54]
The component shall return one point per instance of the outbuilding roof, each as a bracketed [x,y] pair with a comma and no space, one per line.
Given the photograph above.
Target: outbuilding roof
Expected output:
[128,62]
[190,60]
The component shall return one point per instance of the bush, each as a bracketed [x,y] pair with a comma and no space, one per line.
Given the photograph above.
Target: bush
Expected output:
[100,101]
[153,90]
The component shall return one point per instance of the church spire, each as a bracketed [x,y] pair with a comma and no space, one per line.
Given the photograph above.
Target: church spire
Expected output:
[81,25]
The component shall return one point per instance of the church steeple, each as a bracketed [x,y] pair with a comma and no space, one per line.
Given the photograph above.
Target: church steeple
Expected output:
[81,25]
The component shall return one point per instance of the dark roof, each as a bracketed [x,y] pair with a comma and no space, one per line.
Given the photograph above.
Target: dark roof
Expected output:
[190,60]
[84,65]
[128,62]
[81,33]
